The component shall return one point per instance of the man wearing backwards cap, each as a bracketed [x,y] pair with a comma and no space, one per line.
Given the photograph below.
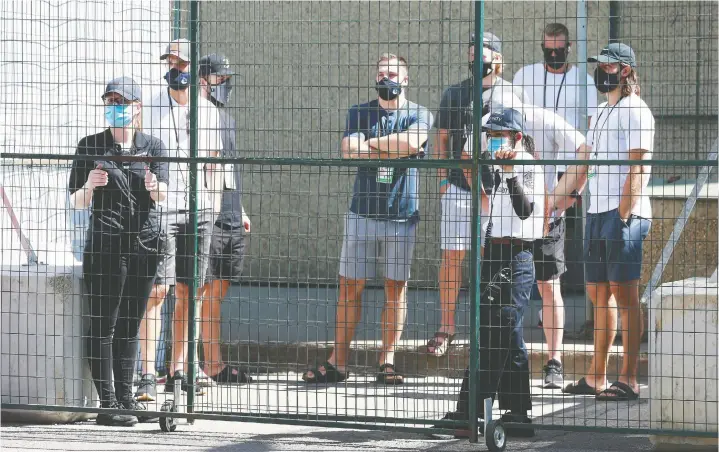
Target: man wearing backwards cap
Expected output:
[618,218]
[455,124]
[227,246]
[516,219]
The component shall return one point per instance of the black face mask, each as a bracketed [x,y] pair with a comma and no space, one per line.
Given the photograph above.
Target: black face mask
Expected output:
[486,68]
[557,60]
[388,90]
[606,82]
[177,80]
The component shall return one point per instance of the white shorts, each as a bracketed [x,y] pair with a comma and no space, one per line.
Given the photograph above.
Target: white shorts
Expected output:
[456,226]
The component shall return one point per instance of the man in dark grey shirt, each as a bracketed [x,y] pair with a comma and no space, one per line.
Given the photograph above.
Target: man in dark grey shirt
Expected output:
[227,246]
[455,125]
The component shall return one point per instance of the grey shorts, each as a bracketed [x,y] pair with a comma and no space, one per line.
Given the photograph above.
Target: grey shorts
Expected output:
[176,267]
[367,241]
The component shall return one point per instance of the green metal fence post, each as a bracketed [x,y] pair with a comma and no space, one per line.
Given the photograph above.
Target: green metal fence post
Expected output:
[176,19]
[194,95]
[476,223]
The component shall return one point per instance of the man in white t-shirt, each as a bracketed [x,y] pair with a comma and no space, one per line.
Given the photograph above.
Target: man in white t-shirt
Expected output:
[618,218]
[516,219]
[169,120]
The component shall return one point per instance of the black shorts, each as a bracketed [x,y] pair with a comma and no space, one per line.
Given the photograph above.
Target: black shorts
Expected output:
[549,262]
[227,253]
[176,267]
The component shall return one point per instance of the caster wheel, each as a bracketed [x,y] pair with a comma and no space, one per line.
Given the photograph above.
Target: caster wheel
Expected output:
[496,436]
[168,424]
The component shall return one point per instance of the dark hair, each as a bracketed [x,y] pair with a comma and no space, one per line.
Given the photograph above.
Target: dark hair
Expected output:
[630,83]
[556,29]
[527,141]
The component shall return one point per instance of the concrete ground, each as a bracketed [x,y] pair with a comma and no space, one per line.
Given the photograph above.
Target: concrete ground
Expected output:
[422,398]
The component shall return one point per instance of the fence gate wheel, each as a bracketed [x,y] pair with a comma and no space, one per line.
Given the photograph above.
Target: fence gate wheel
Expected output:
[168,423]
[496,436]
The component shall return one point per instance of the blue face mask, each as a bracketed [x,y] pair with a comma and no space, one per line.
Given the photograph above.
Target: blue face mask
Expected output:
[494,144]
[118,115]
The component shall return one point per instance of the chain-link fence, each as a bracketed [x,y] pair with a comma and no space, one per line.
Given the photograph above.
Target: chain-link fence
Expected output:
[301,176]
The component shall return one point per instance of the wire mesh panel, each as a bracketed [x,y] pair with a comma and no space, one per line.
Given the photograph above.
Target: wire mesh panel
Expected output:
[355,203]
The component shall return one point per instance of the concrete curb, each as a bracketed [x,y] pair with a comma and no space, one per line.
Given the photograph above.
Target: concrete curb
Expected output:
[409,358]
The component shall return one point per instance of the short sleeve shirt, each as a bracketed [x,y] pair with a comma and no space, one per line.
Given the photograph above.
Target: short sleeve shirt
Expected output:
[387,193]
[231,209]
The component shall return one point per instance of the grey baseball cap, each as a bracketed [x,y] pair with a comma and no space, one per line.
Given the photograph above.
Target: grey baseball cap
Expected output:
[180,48]
[615,52]
[489,40]
[125,87]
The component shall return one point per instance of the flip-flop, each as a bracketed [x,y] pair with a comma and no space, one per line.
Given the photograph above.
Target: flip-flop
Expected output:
[331,375]
[621,392]
[581,387]
[389,378]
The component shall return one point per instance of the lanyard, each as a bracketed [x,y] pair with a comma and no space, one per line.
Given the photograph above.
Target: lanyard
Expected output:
[601,129]
[561,85]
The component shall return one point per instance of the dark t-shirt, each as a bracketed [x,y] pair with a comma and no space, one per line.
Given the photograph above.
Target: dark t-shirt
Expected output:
[387,193]
[123,205]
[231,210]
[455,115]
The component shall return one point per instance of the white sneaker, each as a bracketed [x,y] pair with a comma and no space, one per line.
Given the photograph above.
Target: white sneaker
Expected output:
[204,380]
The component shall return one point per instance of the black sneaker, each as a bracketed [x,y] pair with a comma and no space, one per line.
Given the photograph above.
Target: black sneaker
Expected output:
[179,375]
[231,375]
[115,419]
[147,389]
[134,405]
[553,378]
[520,432]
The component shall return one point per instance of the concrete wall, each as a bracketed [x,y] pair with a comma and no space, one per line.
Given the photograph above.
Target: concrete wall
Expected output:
[300,65]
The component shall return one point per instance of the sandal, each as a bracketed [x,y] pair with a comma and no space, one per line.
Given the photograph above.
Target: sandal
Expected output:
[621,392]
[389,378]
[440,342]
[331,375]
[580,388]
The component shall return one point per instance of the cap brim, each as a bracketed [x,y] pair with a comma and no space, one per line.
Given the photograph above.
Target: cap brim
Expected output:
[497,128]
[225,72]
[603,59]
[181,56]
[125,95]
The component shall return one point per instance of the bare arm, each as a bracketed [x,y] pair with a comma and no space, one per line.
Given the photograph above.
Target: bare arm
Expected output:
[442,145]
[160,193]
[82,199]
[483,194]
[574,179]
[355,147]
[401,144]
[638,177]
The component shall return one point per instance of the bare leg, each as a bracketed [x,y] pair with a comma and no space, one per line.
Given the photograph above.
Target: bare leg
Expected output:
[214,293]
[180,344]
[150,328]
[450,281]
[605,330]
[552,316]
[627,296]
[393,318]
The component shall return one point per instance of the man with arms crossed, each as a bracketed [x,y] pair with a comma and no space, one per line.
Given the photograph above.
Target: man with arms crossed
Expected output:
[618,219]
[383,215]
[455,124]
[555,85]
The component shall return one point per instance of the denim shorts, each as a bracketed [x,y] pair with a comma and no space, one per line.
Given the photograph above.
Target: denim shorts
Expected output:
[613,247]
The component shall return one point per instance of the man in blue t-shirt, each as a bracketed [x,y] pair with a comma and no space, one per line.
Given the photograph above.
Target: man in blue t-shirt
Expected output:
[383,216]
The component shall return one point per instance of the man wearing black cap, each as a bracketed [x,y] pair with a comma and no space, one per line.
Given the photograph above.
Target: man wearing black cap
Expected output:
[618,219]
[516,218]
[227,246]
[455,124]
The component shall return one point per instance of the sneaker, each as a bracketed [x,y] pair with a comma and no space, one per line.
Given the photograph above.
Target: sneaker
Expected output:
[134,405]
[115,419]
[179,375]
[147,389]
[553,378]
[520,432]
[231,375]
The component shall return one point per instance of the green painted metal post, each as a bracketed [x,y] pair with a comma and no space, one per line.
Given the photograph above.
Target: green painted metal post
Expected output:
[176,19]
[194,116]
[476,224]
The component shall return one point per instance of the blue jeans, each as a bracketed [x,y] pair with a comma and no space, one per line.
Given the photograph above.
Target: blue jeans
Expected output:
[503,358]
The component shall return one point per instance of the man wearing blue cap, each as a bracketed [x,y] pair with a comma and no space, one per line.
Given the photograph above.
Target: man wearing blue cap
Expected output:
[515,209]
[455,124]
[618,219]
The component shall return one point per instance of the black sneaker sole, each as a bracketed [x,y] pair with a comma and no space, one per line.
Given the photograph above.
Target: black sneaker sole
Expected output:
[553,385]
